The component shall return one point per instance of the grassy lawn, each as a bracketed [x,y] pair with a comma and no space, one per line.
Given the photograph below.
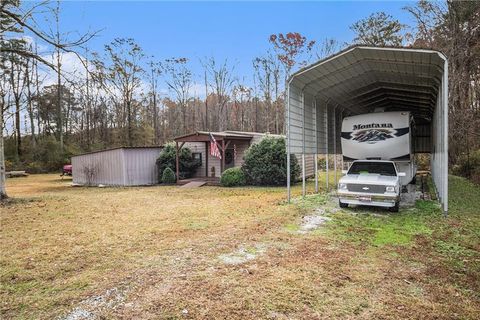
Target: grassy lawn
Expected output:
[158,252]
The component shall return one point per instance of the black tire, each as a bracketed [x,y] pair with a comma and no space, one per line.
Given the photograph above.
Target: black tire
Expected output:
[342,205]
[414,180]
[395,207]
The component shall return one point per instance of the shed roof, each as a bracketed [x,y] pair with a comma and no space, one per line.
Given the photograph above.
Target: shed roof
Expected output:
[116,148]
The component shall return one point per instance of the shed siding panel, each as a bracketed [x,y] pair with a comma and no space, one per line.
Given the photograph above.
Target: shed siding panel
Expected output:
[140,166]
[108,166]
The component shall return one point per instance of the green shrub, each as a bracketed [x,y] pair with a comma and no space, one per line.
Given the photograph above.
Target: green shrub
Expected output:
[322,163]
[9,165]
[168,176]
[35,167]
[233,177]
[423,161]
[266,163]
[468,166]
[166,159]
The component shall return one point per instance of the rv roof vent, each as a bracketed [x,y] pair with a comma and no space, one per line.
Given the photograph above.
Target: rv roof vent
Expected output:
[381,109]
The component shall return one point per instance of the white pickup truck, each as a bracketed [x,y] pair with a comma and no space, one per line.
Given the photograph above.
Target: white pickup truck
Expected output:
[371,182]
[379,146]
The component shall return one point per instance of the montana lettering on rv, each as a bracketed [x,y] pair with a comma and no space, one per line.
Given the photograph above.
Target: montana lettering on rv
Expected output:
[372,125]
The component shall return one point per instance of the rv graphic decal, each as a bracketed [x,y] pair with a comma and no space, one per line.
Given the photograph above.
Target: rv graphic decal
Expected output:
[374,135]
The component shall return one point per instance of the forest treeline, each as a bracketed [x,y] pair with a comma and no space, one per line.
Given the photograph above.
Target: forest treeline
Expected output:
[118,96]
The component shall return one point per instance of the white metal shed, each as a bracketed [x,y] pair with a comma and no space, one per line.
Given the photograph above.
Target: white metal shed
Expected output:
[124,166]
[360,79]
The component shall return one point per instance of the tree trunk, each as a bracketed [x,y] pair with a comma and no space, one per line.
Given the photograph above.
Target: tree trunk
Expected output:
[3,190]
[30,105]
[206,102]
[155,118]
[18,128]
[129,123]
[59,103]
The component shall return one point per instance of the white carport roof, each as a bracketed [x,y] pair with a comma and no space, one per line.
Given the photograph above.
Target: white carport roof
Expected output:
[361,79]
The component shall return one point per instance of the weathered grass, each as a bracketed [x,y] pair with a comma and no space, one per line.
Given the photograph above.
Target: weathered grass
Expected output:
[161,246]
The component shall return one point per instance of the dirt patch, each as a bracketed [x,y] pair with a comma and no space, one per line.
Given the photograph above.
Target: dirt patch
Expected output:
[243,254]
[90,308]
[310,223]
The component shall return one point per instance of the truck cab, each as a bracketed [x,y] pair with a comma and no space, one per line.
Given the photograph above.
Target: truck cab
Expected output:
[371,182]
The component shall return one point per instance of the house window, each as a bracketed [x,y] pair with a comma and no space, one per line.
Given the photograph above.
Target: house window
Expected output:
[197,156]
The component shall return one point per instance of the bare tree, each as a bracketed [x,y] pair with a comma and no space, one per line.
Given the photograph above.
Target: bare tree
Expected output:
[327,47]
[14,20]
[17,85]
[179,80]
[154,74]
[291,49]
[379,29]
[121,77]
[222,81]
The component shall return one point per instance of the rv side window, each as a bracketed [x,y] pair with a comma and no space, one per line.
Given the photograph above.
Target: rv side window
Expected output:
[382,168]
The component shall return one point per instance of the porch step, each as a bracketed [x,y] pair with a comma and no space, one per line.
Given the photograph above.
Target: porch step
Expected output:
[194,184]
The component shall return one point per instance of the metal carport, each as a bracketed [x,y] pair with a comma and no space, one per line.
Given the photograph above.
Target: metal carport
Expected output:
[360,79]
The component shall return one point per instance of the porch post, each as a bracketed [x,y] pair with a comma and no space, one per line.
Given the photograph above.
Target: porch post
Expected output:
[206,159]
[223,157]
[177,166]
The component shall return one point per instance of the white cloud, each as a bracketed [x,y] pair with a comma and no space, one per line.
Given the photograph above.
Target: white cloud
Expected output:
[71,66]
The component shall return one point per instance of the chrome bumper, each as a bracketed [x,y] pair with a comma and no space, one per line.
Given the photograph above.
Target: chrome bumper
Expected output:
[358,198]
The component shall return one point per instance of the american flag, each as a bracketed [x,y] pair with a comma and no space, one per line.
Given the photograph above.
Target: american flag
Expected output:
[214,151]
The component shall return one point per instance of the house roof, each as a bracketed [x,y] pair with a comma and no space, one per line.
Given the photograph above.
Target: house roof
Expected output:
[200,136]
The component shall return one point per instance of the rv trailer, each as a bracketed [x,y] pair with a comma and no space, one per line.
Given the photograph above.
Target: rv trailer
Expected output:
[379,147]
[381,136]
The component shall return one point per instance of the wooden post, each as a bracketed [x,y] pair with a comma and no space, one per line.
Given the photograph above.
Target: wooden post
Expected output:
[223,157]
[206,159]
[177,162]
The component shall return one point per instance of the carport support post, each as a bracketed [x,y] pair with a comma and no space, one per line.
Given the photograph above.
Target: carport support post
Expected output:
[326,143]
[335,142]
[341,161]
[288,140]
[303,146]
[315,159]
[445,136]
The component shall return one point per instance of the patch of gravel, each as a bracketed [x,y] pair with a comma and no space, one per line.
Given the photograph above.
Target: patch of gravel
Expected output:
[89,309]
[243,254]
[310,223]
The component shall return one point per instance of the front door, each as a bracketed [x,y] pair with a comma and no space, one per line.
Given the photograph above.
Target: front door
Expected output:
[229,159]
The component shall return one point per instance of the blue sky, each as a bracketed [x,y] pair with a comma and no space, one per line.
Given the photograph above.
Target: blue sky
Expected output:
[238,31]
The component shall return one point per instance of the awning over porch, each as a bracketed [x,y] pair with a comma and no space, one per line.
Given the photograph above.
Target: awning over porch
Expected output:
[223,140]
[200,136]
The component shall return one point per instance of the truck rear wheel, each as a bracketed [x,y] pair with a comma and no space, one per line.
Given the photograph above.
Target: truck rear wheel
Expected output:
[395,207]
[342,205]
